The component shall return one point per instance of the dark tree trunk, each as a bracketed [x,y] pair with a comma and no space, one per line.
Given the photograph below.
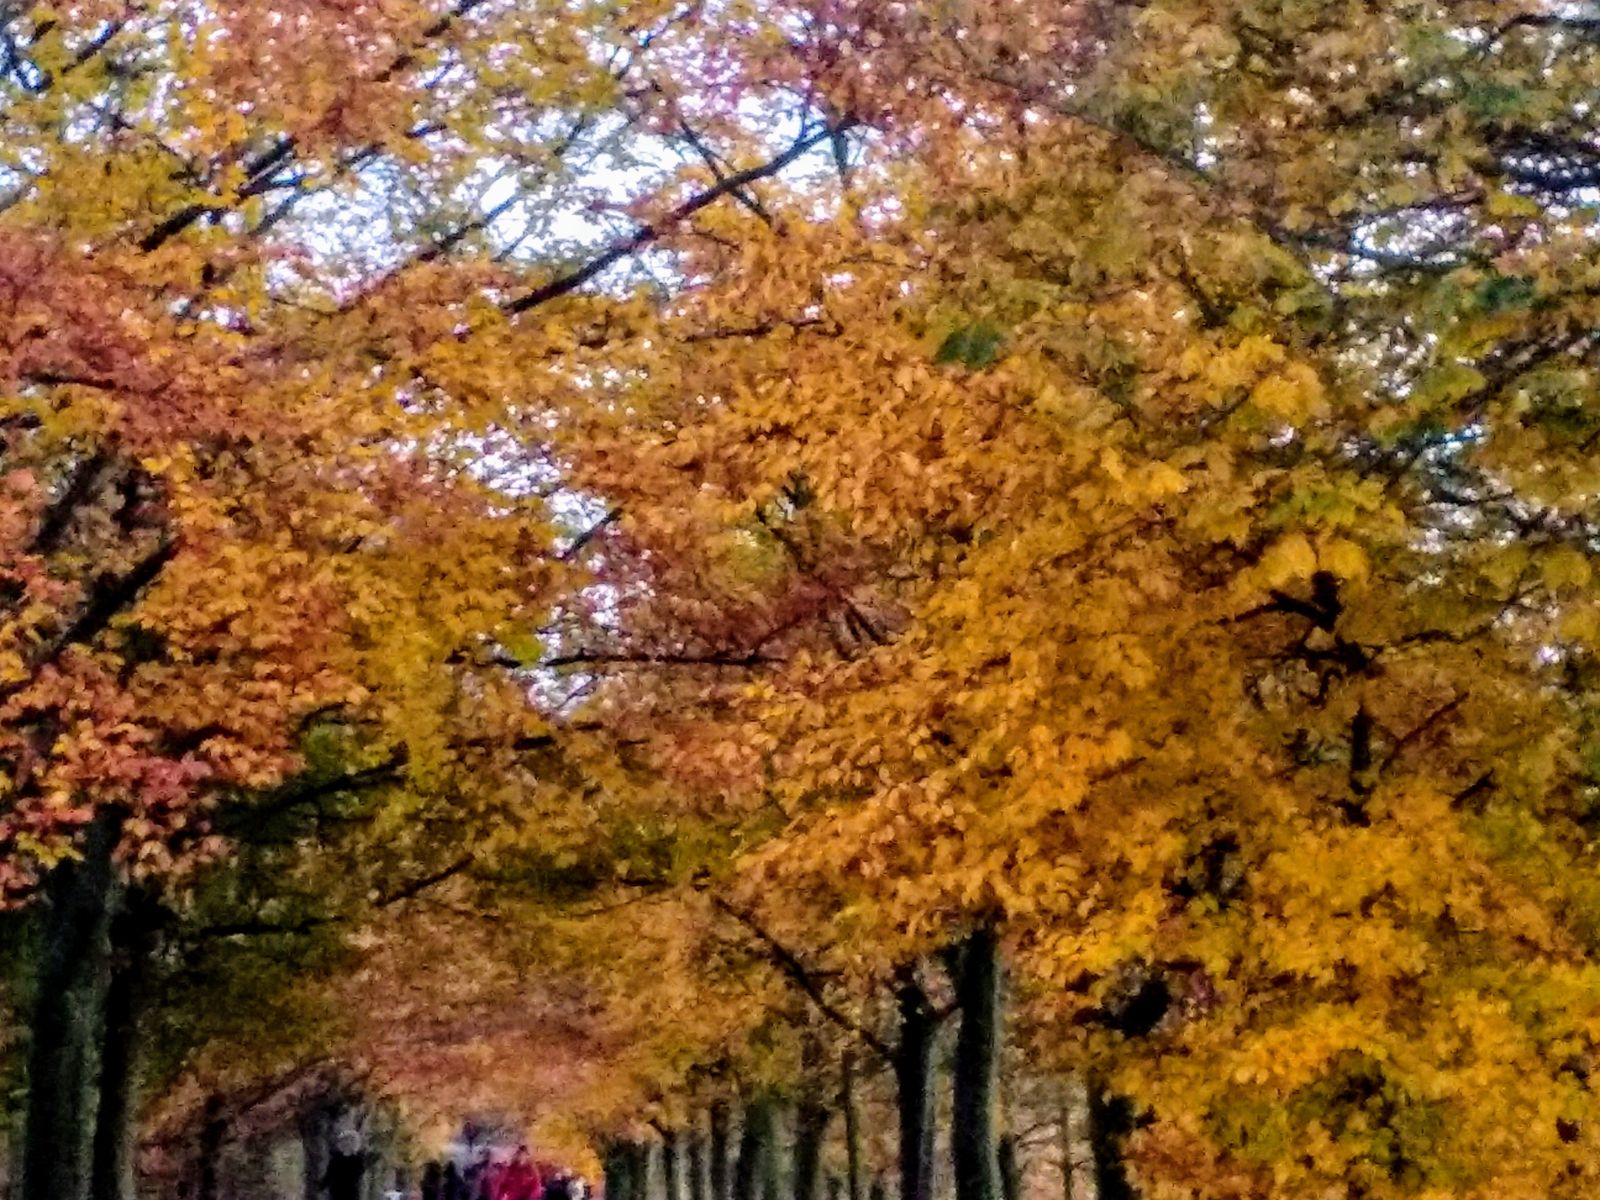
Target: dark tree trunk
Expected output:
[855,1175]
[213,1132]
[757,1140]
[133,934]
[913,1070]
[67,1019]
[1110,1122]
[811,1127]
[627,1167]
[1010,1168]
[697,1164]
[721,1173]
[614,1168]
[747,1168]
[975,1138]
[316,1124]
[641,1171]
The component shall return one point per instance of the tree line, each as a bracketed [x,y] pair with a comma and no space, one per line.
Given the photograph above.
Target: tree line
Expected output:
[742,582]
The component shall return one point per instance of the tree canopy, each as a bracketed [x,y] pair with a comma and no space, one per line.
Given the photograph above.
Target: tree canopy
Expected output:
[615,560]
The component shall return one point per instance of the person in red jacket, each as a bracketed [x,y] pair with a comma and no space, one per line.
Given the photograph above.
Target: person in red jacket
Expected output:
[520,1179]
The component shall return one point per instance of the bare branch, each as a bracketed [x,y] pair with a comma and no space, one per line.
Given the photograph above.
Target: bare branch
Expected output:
[647,234]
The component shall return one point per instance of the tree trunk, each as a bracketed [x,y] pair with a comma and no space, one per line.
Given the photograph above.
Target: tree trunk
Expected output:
[614,1168]
[855,1174]
[811,1127]
[721,1173]
[1110,1122]
[1010,1149]
[1010,1168]
[756,1145]
[697,1164]
[133,934]
[1077,1151]
[671,1155]
[1069,1156]
[627,1171]
[975,1138]
[913,1069]
[775,1162]
[213,1132]
[747,1170]
[67,1019]
[316,1135]
[642,1154]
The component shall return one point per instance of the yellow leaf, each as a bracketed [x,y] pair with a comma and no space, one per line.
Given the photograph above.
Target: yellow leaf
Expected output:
[1289,558]
[1566,567]
[1344,558]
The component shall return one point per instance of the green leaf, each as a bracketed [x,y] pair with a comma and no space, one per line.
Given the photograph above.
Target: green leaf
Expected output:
[1500,293]
[976,346]
[522,647]
[1492,99]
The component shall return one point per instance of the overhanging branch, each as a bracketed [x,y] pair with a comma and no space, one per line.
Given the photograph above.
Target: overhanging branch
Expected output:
[790,967]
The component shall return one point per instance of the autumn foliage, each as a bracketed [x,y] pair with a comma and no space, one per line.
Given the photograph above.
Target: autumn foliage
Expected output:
[763,555]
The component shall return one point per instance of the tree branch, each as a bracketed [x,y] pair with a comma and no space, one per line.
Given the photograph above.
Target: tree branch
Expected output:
[109,596]
[647,234]
[416,886]
[83,483]
[603,658]
[790,966]
[391,770]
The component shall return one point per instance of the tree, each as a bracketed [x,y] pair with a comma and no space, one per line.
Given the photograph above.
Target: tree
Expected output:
[1199,601]
[1141,536]
[252,477]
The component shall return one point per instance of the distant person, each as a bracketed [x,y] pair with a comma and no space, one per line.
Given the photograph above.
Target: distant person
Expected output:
[432,1181]
[558,1185]
[346,1166]
[454,1185]
[480,1176]
[519,1180]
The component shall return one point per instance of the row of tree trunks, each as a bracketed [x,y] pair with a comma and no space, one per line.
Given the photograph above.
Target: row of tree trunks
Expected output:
[812,1119]
[985,1154]
[986,1159]
[95,939]
[626,1168]
[754,1175]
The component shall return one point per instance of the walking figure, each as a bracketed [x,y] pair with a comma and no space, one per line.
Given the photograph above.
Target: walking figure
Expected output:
[346,1166]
